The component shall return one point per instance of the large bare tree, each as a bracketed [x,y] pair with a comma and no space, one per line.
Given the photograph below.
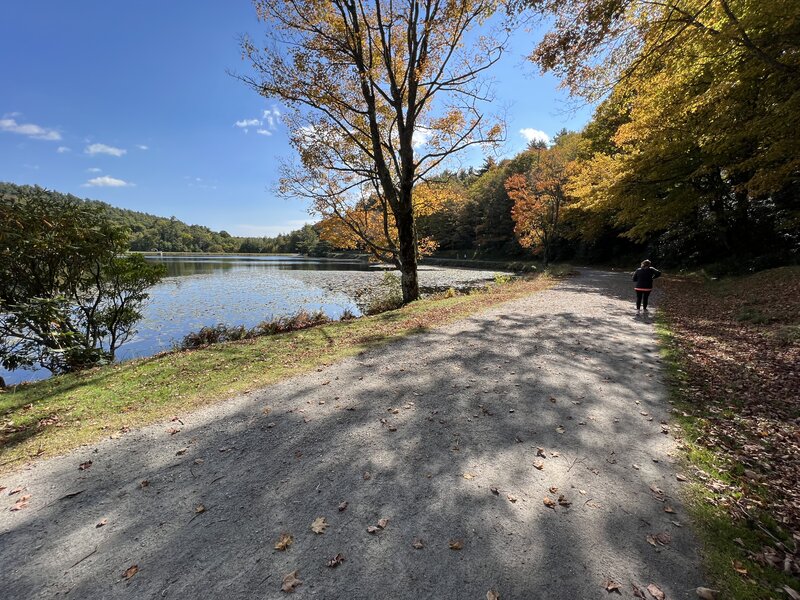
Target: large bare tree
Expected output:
[380,93]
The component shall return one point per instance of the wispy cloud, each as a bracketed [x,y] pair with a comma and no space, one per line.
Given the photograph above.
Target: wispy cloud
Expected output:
[30,130]
[534,135]
[245,124]
[106,181]
[142,147]
[93,170]
[263,132]
[420,137]
[63,149]
[266,125]
[103,149]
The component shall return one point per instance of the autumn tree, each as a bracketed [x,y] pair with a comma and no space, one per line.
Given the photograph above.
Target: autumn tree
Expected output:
[539,195]
[381,94]
[702,102]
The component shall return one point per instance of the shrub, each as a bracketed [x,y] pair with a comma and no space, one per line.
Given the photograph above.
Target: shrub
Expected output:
[392,297]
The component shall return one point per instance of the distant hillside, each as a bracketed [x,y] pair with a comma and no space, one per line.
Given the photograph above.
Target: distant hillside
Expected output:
[168,234]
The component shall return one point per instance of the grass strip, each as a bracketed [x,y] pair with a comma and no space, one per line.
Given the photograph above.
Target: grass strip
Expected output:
[50,417]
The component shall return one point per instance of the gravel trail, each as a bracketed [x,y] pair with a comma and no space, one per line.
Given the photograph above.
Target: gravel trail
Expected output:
[570,373]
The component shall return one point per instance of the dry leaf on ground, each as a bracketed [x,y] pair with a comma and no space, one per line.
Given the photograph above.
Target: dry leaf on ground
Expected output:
[382,523]
[549,502]
[538,465]
[739,568]
[637,591]
[290,582]
[494,490]
[102,523]
[540,452]
[656,592]
[492,595]
[705,593]
[130,571]
[84,465]
[562,500]
[373,529]
[469,476]
[658,493]
[456,544]
[182,451]
[367,476]
[611,586]
[200,509]
[319,525]
[343,506]
[335,561]
[284,542]
[419,544]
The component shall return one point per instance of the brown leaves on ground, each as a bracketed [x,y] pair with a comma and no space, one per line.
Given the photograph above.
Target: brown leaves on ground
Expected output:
[319,525]
[612,586]
[85,465]
[741,346]
[705,593]
[538,465]
[662,538]
[456,544]
[343,506]
[418,544]
[656,592]
[284,542]
[21,503]
[492,595]
[290,582]
[549,503]
[101,523]
[130,571]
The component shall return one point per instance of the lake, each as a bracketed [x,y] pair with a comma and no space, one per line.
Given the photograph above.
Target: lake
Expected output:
[205,290]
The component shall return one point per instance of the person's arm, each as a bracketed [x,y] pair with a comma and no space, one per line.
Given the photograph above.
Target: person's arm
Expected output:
[656,273]
[636,275]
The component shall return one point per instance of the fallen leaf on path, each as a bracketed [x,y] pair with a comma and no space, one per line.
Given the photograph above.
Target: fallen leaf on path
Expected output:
[284,542]
[130,571]
[367,476]
[676,523]
[668,509]
[469,476]
[144,483]
[21,503]
[335,561]
[173,430]
[182,451]
[16,490]
[705,593]
[199,509]
[549,502]
[560,429]
[562,500]
[553,400]
[492,595]
[637,591]
[84,465]
[199,461]
[290,582]
[382,523]
[540,452]
[391,428]
[494,490]
[656,592]
[511,498]
[456,544]
[266,410]
[418,544]
[373,529]
[680,477]
[611,586]
[343,507]
[538,465]
[102,523]
[658,493]
[637,467]
[319,525]
[553,489]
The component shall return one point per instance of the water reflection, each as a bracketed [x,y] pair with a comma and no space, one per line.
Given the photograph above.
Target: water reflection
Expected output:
[204,290]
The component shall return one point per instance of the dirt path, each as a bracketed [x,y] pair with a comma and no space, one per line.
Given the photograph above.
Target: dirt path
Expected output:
[570,371]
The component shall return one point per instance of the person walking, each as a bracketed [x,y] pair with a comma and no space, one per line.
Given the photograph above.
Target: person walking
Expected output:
[643,278]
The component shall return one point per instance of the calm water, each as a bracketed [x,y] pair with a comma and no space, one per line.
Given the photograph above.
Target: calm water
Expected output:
[235,290]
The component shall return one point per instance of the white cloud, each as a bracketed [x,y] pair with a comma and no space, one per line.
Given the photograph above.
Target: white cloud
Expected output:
[63,149]
[245,123]
[263,132]
[106,181]
[29,129]
[93,170]
[534,135]
[103,149]
[420,137]
[142,147]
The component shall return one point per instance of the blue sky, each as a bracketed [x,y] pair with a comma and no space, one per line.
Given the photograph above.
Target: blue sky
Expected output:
[130,103]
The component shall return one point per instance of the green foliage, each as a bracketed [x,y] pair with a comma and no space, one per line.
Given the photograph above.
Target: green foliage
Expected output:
[392,297]
[69,297]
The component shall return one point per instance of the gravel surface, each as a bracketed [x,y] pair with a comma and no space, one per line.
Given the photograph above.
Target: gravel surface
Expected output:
[571,371]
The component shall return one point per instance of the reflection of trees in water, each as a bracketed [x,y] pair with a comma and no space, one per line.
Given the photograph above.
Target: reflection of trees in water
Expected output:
[179,266]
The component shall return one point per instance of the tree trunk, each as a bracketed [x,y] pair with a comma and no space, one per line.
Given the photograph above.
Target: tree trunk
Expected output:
[407,235]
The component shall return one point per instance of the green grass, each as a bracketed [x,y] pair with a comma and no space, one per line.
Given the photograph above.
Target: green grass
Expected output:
[55,415]
[724,539]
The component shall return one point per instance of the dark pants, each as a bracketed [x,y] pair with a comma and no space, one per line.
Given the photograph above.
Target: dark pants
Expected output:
[641,298]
